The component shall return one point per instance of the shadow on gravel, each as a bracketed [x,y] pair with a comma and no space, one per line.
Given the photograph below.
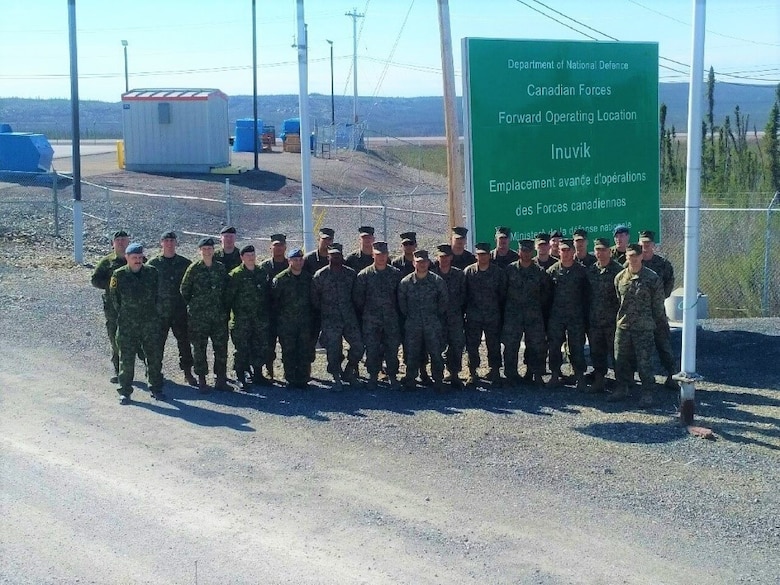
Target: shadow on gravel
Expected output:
[739,358]
[258,181]
[634,432]
[733,419]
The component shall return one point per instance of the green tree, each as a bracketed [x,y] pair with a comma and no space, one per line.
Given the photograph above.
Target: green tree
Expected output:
[771,146]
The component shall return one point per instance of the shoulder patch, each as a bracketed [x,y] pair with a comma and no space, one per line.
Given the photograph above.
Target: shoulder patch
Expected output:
[113,282]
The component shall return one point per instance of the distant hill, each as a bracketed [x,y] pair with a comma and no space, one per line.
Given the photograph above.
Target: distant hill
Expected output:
[392,116]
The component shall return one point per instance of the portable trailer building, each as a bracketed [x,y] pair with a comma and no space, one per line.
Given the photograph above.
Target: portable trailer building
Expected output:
[175,130]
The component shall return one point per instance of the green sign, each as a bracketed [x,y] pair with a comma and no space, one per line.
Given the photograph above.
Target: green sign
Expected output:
[561,135]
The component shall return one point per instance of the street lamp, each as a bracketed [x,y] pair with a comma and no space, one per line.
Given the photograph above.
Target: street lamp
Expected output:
[124,47]
[332,102]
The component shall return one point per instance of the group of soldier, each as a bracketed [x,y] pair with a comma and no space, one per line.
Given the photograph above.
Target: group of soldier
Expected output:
[551,293]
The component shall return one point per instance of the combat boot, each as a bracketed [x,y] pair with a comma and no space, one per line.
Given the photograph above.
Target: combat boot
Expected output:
[582,385]
[394,385]
[670,383]
[114,379]
[554,381]
[372,383]
[537,380]
[203,388]
[409,383]
[350,374]
[337,385]
[494,376]
[598,383]
[456,382]
[425,379]
[472,380]
[189,378]
[439,386]
[157,393]
[221,384]
[528,377]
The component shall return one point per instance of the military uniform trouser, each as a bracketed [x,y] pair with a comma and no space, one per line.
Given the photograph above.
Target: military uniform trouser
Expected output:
[634,347]
[297,354]
[272,336]
[314,332]
[423,339]
[492,332]
[381,345]
[456,341]
[132,341]
[201,329]
[532,327]
[178,324]
[602,347]
[250,340]
[663,345]
[330,338]
[572,332]
[111,326]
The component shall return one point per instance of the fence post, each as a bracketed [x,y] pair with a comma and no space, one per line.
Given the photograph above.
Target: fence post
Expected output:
[56,203]
[384,221]
[767,241]
[360,204]
[228,202]
[108,209]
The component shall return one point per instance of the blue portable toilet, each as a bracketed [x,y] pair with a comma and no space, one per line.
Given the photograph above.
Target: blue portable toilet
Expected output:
[244,140]
[24,152]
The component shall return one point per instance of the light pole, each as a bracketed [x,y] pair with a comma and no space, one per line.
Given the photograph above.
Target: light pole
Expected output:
[332,102]
[124,48]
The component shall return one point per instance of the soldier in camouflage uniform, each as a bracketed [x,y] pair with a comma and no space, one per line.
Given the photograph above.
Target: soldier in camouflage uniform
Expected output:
[422,300]
[485,288]
[318,258]
[376,298]
[331,295]
[528,289]
[291,302]
[662,335]
[602,311]
[543,257]
[555,244]
[641,310]
[405,262]
[363,257]
[248,300]
[271,267]
[460,256]
[622,236]
[568,315]
[581,254]
[203,289]
[228,254]
[171,306]
[133,292]
[455,336]
[502,254]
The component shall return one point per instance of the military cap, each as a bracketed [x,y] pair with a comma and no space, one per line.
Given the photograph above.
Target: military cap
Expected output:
[503,231]
[580,234]
[366,230]
[206,242]
[421,255]
[168,236]
[444,250]
[119,234]
[633,248]
[556,234]
[409,237]
[134,248]
[601,243]
[647,236]
[459,232]
[527,245]
[566,244]
[380,247]
[621,229]
[335,248]
[245,249]
[295,253]
[228,229]
[482,248]
[278,239]
[327,232]
[542,237]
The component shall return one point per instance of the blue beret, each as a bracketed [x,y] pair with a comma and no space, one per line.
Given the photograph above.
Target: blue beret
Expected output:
[295,253]
[134,248]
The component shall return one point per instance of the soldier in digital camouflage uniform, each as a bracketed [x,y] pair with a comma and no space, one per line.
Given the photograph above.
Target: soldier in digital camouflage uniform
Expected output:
[312,262]
[133,292]
[172,308]
[568,315]
[203,289]
[363,257]
[485,288]
[502,254]
[291,303]
[405,261]
[581,254]
[332,298]
[662,335]
[271,267]
[228,254]
[602,312]
[248,300]
[422,300]
[376,298]
[528,289]
[454,333]
[555,244]
[641,297]
[460,256]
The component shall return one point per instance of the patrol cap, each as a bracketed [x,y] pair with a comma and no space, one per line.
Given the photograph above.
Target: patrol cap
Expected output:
[621,229]
[206,242]
[295,253]
[380,247]
[119,234]
[335,248]
[366,230]
[601,243]
[542,238]
[168,236]
[633,249]
[580,234]
[459,232]
[245,249]
[327,232]
[134,248]
[647,236]
[527,245]
[410,237]
[444,250]
[278,239]
[228,229]
[566,244]
[503,231]
[482,248]
[556,234]
[421,255]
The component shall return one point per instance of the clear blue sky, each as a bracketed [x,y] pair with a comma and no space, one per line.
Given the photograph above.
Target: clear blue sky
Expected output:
[208,43]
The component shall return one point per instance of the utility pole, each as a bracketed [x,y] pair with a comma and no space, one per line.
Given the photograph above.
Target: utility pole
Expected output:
[254,84]
[454,173]
[78,214]
[303,112]
[355,15]
[332,98]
